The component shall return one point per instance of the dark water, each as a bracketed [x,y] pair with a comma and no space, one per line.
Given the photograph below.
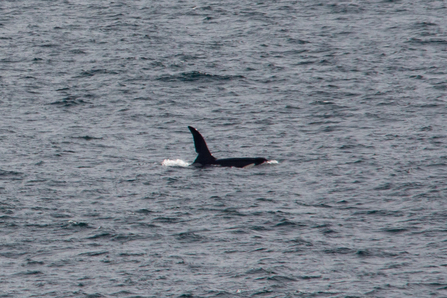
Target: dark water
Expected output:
[348,96]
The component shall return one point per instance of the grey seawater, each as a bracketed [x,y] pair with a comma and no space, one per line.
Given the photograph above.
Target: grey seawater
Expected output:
[348,96]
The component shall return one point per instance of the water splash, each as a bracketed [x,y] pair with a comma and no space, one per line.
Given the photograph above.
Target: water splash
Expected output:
[175,163]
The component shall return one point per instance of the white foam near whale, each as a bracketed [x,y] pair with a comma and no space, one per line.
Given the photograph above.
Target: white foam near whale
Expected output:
[175,163]
[272,162]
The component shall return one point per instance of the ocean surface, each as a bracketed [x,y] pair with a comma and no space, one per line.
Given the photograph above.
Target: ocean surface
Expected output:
[347,99]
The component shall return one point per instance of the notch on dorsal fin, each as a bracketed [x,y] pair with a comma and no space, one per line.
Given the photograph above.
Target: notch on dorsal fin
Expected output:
[204,156]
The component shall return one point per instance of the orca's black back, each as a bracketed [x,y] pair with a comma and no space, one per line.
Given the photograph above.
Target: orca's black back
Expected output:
[204,156]
[240,162]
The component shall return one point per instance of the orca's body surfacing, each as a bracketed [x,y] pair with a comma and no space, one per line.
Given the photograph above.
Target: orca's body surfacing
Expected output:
[204,157]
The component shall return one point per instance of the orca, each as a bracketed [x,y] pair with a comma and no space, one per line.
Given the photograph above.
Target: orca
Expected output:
[204,157]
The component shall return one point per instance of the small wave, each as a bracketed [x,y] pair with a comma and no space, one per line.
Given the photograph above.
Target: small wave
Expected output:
[69,101]
[197,76]
[428,41]
[174,163]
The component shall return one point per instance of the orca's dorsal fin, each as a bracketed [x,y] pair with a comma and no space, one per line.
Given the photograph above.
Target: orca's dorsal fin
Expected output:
[204,156]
